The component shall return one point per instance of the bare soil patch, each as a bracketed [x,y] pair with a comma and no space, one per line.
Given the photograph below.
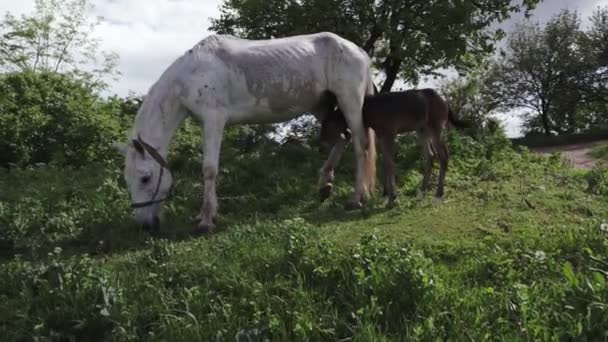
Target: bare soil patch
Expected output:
[577,154]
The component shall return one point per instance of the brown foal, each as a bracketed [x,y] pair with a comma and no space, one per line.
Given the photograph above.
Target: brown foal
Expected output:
[389,114]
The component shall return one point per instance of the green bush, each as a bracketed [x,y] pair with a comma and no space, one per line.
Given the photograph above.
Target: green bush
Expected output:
[597,179]
[46,206]
[49,117]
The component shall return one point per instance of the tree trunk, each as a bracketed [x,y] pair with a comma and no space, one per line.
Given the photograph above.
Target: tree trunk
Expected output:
[546,127]
[391,69]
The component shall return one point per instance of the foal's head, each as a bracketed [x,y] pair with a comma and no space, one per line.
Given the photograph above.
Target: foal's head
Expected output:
[149,181]
[334,128]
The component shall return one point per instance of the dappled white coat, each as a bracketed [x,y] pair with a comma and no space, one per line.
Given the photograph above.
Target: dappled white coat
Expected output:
[226,80]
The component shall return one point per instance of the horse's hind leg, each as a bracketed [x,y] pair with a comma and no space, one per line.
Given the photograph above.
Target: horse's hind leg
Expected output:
[388,156]
[212,137]
[424,140]
[443,156]
[327,171]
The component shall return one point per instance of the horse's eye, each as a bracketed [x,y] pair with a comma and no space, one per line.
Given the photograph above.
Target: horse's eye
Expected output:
[145,179]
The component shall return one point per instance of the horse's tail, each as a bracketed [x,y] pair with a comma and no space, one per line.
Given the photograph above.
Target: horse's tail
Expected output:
[372,89]
[370,161]
[460,124]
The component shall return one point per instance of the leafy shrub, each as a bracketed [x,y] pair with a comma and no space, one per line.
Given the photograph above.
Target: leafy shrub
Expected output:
[58,299]
[40,207]
[53,117]
[597,179]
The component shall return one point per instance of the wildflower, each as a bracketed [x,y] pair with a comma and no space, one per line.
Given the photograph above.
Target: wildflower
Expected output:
[604,227]
[540,255]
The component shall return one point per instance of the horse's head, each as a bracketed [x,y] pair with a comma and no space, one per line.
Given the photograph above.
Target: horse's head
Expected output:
[149,181]
[333,129]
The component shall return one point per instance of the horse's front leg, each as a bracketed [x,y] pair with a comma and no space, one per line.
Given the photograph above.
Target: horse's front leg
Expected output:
[351,108]
[212,140]
[327,176]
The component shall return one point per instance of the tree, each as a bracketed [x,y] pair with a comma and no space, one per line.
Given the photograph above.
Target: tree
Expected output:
[542,70]
[57,37]
[470,97]
[595,46]
[406,38]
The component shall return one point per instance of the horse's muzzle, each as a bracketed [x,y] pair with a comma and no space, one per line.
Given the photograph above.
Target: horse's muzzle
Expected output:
[152,226]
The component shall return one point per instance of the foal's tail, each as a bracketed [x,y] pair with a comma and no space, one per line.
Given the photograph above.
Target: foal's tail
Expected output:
[460,124]
[370,161]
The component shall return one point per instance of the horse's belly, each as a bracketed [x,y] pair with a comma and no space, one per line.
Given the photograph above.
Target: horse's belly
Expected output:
[263,111]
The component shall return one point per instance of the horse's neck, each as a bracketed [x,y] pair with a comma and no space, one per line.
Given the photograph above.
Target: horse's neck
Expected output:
[157,122]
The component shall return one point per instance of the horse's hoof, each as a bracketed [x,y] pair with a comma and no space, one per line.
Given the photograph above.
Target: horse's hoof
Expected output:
[325,192]
[153,227]
[197,219]
[350,206]
[437,201]
[391,204]
[202,230]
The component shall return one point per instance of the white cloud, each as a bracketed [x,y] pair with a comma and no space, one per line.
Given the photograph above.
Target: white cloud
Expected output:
[149,34]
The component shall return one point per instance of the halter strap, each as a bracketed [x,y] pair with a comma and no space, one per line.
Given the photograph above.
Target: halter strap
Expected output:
[163,164]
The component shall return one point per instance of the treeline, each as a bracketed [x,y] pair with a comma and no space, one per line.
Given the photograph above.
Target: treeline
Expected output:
[556,74]
[52,72]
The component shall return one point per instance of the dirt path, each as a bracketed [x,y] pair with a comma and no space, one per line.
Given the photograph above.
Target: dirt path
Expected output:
[577,154]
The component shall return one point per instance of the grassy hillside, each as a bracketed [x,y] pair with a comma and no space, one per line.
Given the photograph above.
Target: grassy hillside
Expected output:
[518,250]
[600,152]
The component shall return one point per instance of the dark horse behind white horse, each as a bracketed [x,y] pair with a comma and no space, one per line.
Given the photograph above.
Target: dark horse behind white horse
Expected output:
[225,80]
[422,111]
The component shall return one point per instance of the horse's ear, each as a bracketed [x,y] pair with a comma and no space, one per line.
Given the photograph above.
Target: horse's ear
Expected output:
[138,146]
[121,148]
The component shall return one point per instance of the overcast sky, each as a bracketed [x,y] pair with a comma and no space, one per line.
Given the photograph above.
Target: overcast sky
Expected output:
[149,34]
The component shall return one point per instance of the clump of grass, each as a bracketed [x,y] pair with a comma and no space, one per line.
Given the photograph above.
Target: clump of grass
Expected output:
[600,152]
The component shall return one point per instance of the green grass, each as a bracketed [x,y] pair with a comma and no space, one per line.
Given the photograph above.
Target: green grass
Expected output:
[600,152]
[515,252]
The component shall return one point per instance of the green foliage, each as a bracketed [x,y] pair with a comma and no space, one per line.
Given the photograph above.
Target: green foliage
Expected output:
[600,152]
[471,99]
[48,117]
[57,37]
[402,41]
[45,208]
[597,179]
[555,73]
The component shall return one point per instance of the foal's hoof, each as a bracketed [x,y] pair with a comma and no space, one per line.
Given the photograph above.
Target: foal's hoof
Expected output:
[325,192]
[350,206]
[202,230]
[437,201]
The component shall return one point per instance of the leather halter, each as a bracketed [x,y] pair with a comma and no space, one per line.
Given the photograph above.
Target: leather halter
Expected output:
[163,165]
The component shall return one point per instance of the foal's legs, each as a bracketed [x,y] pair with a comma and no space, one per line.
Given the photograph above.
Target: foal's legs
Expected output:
[327,171]
[424,140]
[443,156]
[212,137]
[388,156]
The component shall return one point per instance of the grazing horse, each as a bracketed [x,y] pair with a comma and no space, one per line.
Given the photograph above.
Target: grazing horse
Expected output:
[389,114]
[224,80]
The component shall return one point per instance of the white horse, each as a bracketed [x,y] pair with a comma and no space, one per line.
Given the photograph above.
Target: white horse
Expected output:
[226,80]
